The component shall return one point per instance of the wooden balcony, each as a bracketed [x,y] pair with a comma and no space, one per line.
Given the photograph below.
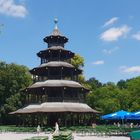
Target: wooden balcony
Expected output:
[65,99]
[55,99]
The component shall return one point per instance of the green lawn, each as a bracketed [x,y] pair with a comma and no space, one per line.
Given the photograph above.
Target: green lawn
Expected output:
[38,138]
[12,128]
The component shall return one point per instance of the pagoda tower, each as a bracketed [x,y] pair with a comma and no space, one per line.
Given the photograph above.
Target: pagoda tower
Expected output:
[55,95]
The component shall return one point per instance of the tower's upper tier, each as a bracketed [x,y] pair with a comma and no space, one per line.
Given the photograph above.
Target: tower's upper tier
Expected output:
[55,52]
[55,39]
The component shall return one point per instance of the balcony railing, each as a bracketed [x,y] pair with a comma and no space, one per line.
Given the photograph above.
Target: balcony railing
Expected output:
[65,99]
[56,99]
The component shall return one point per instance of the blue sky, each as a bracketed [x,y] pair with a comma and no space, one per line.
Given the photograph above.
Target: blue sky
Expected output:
[105,32]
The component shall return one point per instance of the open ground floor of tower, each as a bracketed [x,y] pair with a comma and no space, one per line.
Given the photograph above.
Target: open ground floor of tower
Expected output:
[49,119]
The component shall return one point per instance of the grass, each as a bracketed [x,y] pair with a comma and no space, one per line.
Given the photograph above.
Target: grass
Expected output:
[67,135]
[38,138]
[13,128]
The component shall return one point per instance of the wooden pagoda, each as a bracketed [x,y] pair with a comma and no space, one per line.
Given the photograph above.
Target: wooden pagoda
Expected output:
[55,94]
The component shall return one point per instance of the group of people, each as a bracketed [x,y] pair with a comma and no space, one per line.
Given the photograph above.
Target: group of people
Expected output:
[128,125]
[132,125]
[117,124]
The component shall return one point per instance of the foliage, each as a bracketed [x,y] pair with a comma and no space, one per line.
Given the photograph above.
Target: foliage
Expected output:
[38,138]
[12,128]
[66,135]
[122,84]
[77,61]
[98,130]
[13,78]
[94,83]
[133,86]
[111,97]
[106,98]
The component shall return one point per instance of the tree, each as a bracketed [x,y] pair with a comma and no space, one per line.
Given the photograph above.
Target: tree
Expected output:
[77,61]
[121,84]
[13,78]
[111,97]
[94,83]
[133,86]
[105,99]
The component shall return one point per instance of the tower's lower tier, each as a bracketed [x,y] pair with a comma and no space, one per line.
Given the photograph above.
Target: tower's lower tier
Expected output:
[49,113]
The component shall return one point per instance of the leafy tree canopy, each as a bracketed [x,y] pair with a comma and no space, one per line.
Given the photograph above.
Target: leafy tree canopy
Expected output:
[77,61]
[94,83]
[111,97]
[13,78]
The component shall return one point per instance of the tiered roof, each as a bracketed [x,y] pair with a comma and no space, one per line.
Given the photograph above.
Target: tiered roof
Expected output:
[56,46]
[55,49]
[50,107]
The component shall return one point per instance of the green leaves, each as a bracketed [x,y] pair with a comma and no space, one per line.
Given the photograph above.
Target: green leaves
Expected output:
[94,83]
[112,97]
[77,61]
[13,78]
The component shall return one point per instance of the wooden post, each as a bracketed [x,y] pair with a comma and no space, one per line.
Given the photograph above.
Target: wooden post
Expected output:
[28,98]
[59,54]
[48,74]
[65,119]
[45,95]
[78,118]
[63,92]
[84,119]
[41,60]
[72,78]
[61,72]
[37,98]
[51,55]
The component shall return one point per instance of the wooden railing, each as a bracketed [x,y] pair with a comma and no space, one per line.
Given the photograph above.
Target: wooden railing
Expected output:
[56,99]
[65,99]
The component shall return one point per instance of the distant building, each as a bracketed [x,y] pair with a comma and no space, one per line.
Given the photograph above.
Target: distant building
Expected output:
[55,95]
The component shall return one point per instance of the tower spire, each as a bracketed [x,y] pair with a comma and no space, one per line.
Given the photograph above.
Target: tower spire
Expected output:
[55,30]
[56,21]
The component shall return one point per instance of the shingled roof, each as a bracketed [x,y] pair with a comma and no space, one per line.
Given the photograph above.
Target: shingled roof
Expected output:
[57,64]
[57,83]
[49,107]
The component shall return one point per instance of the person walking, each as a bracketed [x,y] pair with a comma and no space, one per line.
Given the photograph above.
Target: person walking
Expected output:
[38,129]
[56,129]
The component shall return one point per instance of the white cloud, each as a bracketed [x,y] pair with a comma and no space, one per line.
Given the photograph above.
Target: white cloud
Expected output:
[113,34]
[99,62]
[8,7]
[111,21]
[110,51]
[136,36]
[133,69]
